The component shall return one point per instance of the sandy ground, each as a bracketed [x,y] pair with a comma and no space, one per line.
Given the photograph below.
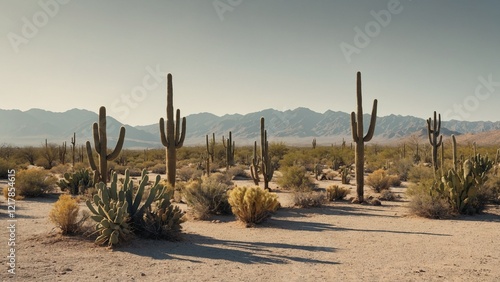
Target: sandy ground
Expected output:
[337,242]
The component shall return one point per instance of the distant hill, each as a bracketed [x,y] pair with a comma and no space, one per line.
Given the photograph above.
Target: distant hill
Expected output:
[295,127]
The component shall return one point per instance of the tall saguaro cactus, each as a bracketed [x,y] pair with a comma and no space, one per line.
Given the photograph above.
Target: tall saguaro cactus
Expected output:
[357,136]
[101,147]
[173,139]
[435,139]
[267,168]
[73,144]
[229,146]
[210,151]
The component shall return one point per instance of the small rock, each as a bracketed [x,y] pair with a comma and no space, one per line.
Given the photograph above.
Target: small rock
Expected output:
[143,274]
[376,202]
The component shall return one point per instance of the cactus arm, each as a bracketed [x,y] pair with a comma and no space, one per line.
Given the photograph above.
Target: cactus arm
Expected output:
[95,133]
[119,145]
[354,127]
[163,136]
[90,157]
[180,134]
[373,120]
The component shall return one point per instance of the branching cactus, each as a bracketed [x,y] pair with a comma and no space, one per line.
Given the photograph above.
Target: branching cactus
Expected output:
[210,151]
[254,167]
[101,148]
[229,147]
[267,168]
[173,139]
[357,136]
[435,139]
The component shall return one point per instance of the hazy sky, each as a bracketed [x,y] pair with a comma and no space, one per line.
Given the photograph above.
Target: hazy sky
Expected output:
[241,56]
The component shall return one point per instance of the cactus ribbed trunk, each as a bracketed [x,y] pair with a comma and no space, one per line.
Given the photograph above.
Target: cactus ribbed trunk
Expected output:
[173,139]
[357,135]
[433,131]
[101,147]
[229,146]
[266,166]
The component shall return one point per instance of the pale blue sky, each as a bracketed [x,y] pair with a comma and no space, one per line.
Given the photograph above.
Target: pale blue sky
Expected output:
[254,55]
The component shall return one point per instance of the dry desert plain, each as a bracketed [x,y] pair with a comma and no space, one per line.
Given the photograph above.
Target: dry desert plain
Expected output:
[337,242]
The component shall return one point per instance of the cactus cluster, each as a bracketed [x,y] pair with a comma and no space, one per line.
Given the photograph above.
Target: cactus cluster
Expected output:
[111,215]
[101,148]
[77,181]
[154,218]
[360,140]
[344,175]
[210,152]
[254,167]
[460,185]
[266,166]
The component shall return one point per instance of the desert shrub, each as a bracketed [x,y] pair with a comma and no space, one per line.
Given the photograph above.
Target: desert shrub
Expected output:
[426,204]
[378,180]
[335,193]
[11,194]
[308,199]
[238,172]
[34,182]
[402,168]
[60,169]
[387,195]
[295,178]
[420,173]
[490,190]
[394,181]
[207,197]
[64,215]
[159,168]
[252,205]
[5,166]
[187,173]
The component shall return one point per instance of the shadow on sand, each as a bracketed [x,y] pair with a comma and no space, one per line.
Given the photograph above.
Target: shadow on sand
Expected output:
[195,247]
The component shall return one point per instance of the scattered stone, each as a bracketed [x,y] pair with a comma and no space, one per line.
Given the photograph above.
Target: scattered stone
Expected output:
[354,201]
[376,202]
[143,274]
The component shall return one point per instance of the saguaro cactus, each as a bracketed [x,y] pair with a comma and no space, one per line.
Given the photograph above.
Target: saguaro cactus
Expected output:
[254,167]
[267,168]
[73,144]
[314,143]
[61,150]
[210,151]
[357,136]
[229,146]
[173,139]
[101,147]
[433,134]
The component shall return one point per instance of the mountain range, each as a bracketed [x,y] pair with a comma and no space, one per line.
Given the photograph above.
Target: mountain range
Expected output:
[294,127]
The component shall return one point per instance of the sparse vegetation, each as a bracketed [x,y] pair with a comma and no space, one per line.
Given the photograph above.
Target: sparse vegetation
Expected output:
[379,180]
[308,199]
[296,178]
[207,196]
[65,213]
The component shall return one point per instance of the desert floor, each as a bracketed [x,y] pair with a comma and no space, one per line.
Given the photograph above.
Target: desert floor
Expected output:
[337,242]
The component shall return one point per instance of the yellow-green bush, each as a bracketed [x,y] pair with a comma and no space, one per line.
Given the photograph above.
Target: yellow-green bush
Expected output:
[295,178]
[34,182]
[424,203]
[335,193]
[64,214]
[251,205]
[207,196]
[378,180]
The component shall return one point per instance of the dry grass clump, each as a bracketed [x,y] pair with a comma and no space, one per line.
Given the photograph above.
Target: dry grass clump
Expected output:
[252,205]
[378,180]
[336,193]
[64,215]
[187,173]
[387,195]
[426,204]
[207,197]
[34,182]
[308,199]
[296,178]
